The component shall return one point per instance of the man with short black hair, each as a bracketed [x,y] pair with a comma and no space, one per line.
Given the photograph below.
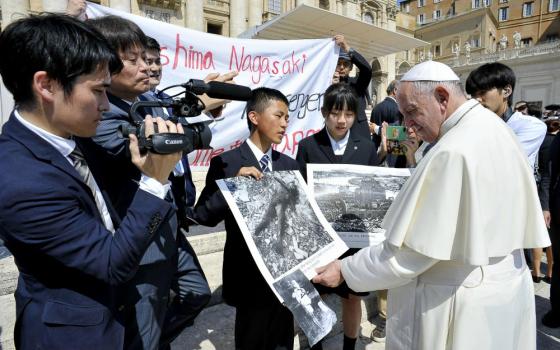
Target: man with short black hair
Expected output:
[152,320]
[492,84]
[71,248]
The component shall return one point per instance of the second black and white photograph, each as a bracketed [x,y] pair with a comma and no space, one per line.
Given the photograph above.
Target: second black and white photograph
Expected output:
[355,198]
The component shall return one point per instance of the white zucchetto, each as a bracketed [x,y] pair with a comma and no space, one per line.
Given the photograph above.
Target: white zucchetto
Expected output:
[430,71]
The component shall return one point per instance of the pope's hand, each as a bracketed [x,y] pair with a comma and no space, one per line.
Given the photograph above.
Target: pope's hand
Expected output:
[329,275]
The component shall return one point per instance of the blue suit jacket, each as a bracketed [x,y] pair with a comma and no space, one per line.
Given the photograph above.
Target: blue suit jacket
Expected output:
[121,188]
[243,283]
[69,263]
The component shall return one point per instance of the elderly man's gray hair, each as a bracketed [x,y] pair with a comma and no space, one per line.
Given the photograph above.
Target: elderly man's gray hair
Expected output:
[392,86]
[428,87]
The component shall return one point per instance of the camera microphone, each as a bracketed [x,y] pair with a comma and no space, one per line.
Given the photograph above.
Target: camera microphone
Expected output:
[217,89]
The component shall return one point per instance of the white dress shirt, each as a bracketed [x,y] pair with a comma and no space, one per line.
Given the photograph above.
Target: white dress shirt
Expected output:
[339,146]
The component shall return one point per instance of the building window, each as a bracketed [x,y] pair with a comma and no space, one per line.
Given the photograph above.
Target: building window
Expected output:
[420,19]
[554,5]
[475,42]
[214,28]
[437,50]
[407,8]
[421,3]
[552,37]
[275,6]
[503,1]
[487,3]
[437,1]
[437,14]
[475,4]
[526,42]
[368,18]
[324,4]
[503,13]
[527,9]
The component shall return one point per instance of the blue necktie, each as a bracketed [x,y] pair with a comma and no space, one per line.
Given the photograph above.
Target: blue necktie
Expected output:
[264,163]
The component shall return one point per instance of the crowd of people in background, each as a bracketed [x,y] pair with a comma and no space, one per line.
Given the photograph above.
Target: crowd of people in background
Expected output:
[104,262]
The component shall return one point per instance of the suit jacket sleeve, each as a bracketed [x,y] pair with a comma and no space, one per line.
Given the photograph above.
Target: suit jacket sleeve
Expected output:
[108,135]
[211,206]
[302,160]
[364,77]
[51,221]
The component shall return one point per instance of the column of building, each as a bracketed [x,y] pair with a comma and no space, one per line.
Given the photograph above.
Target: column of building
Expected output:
[255,12]
[237,17]
[122,5]
[54,5]
[195,15]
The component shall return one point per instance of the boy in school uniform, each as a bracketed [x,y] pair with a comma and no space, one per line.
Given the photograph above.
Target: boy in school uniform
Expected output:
[261,322]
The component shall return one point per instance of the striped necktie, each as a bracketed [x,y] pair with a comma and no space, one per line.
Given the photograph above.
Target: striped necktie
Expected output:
[82,168]
[264,163]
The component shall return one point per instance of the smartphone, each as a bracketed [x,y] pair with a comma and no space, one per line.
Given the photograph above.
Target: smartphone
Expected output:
[396,133]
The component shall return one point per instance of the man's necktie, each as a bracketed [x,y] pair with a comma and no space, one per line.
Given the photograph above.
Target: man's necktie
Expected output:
[264,163]
[82,168]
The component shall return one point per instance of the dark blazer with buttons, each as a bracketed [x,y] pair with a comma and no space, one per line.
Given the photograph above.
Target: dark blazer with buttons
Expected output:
[69,263]
[243,283]
[317,149]
[122,187]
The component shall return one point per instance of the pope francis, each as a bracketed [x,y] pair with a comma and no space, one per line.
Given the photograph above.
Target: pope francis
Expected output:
[452,258]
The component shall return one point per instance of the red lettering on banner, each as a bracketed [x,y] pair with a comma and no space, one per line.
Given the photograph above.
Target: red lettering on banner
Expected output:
[193,59]
[259,65]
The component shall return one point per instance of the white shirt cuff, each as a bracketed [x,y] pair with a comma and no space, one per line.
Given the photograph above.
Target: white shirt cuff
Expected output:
[154,187]
[376,129]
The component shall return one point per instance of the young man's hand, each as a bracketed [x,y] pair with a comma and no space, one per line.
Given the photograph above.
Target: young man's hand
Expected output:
[156,166]
[250,171]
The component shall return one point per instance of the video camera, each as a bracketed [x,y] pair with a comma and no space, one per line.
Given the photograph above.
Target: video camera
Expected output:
[197,135]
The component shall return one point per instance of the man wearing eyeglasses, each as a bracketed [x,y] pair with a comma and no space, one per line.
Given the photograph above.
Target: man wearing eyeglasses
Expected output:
[348,57]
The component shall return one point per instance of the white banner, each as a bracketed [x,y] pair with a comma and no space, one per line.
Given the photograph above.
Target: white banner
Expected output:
[301,69]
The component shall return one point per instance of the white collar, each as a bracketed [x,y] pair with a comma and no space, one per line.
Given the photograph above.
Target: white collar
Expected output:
[456,116]
[338,146]
[259,154]
[64,146]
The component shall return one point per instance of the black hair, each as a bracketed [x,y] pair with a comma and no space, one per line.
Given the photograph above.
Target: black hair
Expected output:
[60,45]
[121,33]
[152,44]
[260,100]
[490,76]
[340,95]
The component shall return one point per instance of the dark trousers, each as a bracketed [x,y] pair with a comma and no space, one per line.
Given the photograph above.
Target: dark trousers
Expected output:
[153,320]
[268,327]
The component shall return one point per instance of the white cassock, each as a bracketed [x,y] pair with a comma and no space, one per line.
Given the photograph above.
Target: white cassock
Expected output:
[452,260]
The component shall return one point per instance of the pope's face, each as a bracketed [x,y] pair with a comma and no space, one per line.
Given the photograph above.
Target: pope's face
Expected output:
[423,113]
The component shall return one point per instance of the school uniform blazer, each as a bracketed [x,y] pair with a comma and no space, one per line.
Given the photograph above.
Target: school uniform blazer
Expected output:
[69,263]
[317,149]
[243,283]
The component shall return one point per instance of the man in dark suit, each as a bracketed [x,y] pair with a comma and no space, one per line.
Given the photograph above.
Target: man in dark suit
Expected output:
[337,143]
[70,251]
[261,322]
[386,111]
[347,58]
[152,319]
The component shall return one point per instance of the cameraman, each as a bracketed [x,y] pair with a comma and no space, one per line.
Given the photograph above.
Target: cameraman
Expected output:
[148,313]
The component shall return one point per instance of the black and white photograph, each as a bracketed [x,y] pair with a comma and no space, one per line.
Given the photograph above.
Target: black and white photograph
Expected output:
[355,198]
[281,223]
[314,317]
